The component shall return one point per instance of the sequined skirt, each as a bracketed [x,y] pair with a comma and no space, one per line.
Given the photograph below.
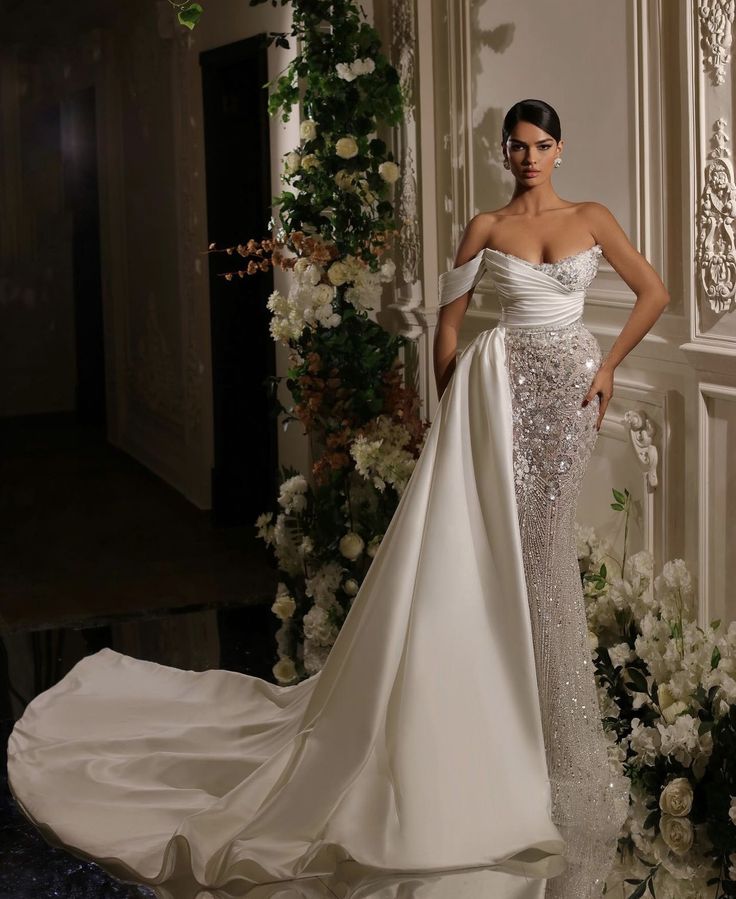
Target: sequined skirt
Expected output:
[550,371]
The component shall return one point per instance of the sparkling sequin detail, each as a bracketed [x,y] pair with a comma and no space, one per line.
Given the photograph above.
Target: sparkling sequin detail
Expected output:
[574,271]
[550,371]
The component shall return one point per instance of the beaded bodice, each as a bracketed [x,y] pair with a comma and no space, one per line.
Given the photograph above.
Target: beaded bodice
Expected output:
[576,271]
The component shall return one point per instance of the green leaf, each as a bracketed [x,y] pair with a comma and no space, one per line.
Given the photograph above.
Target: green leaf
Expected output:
[190,14]
[637,680]
[715,657]
[715,624]
[620,498]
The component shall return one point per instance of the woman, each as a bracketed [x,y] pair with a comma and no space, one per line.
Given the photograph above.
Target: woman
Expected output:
[538,251]
[455,723]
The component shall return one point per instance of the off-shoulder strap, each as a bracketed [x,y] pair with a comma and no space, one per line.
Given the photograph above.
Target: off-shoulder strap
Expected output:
[457,281]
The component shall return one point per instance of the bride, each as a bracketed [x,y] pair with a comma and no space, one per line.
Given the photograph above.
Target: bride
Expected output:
[454,724]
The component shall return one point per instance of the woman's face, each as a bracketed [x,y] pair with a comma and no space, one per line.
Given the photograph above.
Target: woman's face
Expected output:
[532,153]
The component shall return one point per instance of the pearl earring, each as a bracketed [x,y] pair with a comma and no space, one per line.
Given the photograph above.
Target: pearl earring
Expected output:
[558,162]
[506,164]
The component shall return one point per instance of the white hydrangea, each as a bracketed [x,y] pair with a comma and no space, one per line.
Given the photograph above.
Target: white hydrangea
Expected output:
[292,494]
[323,584]
[380,455]
[285,546]
[315,656]
[673,591]
[644,742]
[681,740]
[309,303]
[318,626]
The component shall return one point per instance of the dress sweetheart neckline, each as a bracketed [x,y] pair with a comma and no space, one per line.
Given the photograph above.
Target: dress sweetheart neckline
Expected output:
[538,264]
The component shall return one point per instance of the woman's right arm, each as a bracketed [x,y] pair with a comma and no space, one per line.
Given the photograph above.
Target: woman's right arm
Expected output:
[451,314]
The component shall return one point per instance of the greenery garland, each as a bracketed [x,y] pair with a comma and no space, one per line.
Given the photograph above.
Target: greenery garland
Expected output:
[333,229]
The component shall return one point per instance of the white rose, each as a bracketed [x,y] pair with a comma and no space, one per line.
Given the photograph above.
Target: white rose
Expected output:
[292,161]
[677,833]
[350,586]
[338,273]
[363,66]
[676,798]
[344,180]
[373,546]
[732,810]
[346,147]
[389,171]
[665,696]
[345,71]
[351,545]
[308,129]
[284,670]
[310,161]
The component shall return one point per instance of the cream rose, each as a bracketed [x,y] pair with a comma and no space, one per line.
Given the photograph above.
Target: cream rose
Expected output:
[308,129]
[310,161]
[665,696]
[351,586]
[346,147]
[676,798]
[292,161]
[284,670]
[338,273]
[389,171]
[373,546]
[677,833]
[351,545]
[283,606]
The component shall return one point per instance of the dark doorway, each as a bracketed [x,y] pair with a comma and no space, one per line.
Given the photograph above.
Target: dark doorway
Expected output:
[81,189]
[238,208]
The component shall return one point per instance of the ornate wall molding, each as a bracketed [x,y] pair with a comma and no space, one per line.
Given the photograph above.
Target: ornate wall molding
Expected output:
[716,23]
[642,431]
[715,253]
[403,43]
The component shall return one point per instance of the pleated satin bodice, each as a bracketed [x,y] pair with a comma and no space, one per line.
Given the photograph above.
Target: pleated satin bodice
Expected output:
[531,294]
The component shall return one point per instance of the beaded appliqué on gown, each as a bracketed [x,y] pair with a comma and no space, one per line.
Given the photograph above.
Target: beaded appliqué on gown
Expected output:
[550,371]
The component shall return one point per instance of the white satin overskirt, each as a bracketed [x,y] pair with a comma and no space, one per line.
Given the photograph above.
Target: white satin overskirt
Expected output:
[418,747]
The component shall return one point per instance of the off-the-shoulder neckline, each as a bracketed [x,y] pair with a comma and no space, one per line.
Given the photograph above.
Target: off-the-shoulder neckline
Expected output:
[538,264]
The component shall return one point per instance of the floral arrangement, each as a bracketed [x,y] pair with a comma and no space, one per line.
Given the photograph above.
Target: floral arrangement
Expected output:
[334,229]
[668,700]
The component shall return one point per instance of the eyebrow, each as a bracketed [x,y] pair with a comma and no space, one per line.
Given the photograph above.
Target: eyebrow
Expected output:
[513,140]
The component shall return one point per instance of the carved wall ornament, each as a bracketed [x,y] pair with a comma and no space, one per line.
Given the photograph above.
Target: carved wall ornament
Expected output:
[641,431]
[715,253]
[403,43]
[716,23]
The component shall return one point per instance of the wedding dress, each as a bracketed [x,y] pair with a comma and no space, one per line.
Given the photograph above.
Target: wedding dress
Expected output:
[455,722]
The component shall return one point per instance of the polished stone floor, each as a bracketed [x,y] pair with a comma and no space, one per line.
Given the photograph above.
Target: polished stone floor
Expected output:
[97,551]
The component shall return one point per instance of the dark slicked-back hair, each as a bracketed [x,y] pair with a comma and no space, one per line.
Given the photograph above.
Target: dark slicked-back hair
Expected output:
[536,112]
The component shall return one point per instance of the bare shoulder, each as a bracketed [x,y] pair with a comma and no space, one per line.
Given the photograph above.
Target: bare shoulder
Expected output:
[634,269]
[475,237]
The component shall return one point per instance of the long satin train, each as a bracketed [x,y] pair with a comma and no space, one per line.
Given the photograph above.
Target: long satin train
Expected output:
[418,747]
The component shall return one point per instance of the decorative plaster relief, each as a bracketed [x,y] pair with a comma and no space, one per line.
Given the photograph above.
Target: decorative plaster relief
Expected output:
[716,22]
[715,253]
[641,431]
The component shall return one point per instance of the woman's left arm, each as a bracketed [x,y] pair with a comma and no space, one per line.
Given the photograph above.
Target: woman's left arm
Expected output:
[651,297]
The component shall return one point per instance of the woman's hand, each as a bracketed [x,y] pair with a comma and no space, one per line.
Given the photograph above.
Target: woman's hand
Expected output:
[602,385]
